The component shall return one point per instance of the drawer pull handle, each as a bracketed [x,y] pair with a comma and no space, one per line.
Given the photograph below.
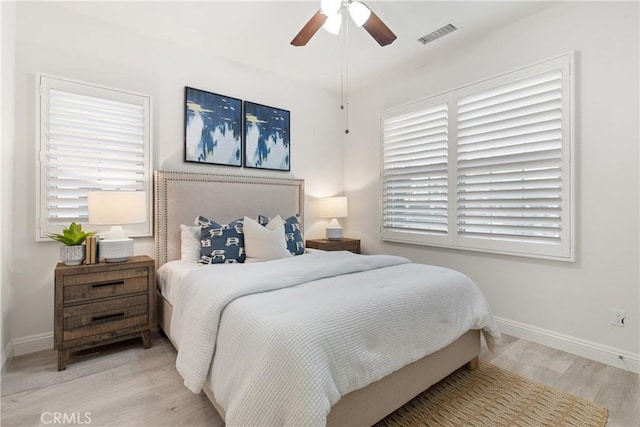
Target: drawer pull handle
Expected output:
[99,285]
[107,316]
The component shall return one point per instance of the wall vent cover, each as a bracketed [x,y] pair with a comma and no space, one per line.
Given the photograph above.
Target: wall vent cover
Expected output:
[442,31]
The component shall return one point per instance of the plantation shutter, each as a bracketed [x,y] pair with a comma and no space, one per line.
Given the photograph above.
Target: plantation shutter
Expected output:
[510,164]
[415,172]
[486,166]
[92,138]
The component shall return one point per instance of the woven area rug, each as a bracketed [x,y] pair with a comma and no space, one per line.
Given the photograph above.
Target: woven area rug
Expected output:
[490,396]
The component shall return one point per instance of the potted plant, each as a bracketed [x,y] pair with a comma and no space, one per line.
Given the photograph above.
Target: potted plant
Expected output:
[72,252]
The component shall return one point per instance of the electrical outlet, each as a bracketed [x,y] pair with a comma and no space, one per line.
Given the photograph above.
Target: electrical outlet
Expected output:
[617,317]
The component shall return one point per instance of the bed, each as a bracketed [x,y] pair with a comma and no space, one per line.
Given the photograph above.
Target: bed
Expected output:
[179,198]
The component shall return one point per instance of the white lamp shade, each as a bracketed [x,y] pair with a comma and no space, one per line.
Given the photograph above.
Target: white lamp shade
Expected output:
[333,23]
[117,207]
[330,7]
[333,207]
[359,13]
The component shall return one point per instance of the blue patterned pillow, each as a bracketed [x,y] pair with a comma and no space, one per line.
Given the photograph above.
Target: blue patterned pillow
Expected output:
[221,243]
[292,233]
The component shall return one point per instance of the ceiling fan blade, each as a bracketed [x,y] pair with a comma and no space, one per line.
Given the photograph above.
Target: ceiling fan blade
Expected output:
[378,30]
[309,29]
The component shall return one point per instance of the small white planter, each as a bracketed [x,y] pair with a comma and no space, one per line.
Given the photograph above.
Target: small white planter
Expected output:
[72,255]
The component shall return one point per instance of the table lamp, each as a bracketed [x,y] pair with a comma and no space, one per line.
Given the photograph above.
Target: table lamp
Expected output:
[116,208]
[333,207]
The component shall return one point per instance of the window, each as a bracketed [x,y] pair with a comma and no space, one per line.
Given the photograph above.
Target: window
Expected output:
[89,138]
[485,167]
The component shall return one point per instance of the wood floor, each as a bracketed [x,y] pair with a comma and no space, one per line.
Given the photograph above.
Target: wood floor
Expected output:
[125,385]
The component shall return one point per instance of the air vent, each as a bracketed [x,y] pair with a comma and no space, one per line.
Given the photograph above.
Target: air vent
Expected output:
[442,31]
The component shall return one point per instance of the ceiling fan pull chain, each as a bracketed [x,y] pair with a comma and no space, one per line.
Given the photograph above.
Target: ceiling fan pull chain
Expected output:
[345,59]
[342,59]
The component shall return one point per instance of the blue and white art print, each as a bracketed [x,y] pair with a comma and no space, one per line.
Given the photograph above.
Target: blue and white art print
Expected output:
[267,137]
[212,128]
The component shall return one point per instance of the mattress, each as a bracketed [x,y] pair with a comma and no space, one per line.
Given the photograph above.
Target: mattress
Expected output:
[171,274]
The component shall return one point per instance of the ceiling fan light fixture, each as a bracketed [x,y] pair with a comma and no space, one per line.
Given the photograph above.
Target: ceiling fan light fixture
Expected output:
[330,7]
[333,23]
[359,13]
[330,17]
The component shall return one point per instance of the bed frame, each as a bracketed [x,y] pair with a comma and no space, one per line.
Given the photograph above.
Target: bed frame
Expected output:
[181,196]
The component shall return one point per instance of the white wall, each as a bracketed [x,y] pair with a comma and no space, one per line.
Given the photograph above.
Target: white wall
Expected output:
[7,66]
[53,40]
[561,304]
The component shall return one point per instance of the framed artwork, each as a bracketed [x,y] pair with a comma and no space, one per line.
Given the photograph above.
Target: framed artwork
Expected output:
[212,128]
[266,137]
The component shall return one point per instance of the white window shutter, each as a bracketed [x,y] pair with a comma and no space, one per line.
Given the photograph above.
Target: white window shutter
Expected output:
[415,173]
[91,138]
[511,169]
[509,160]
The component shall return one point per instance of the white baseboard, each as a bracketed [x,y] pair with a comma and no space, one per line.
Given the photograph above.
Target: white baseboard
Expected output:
[588,349]
[32,343]
[7,355]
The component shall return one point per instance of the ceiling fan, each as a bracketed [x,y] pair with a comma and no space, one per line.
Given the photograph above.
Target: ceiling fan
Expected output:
[330,18]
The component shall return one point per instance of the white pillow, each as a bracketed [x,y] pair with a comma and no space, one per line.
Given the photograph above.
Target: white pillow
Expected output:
[189,243]
[265,242]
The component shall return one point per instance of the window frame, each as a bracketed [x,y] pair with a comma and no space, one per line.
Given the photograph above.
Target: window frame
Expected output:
[565,250]
[45,225]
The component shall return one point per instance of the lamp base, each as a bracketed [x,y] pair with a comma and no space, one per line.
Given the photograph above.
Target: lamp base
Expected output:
[115,250]
[334,233]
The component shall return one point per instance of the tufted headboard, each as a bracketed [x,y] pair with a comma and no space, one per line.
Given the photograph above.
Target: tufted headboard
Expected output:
[181,196]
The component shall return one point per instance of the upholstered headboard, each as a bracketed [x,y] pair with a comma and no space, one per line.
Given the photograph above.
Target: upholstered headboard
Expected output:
[181,196]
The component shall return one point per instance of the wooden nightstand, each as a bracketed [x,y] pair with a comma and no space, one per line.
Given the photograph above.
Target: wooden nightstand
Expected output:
[103,303]
[344,244]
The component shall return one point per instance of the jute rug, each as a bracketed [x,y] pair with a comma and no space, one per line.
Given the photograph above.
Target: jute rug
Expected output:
[490,396]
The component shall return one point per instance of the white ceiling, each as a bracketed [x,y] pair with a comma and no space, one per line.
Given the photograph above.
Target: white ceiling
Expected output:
[258,33]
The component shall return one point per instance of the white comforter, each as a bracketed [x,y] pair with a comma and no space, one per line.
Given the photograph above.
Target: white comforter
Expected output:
[283,358]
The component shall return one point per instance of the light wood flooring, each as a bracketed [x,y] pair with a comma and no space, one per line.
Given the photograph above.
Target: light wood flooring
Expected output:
[125,385]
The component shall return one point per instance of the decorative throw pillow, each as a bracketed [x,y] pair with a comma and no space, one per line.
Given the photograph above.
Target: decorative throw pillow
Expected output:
[265,243]
[221,243]
[292,233]
[189,243]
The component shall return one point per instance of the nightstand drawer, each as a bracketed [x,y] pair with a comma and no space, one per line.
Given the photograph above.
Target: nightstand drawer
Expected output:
[84,320]
[81,287]
[344,244]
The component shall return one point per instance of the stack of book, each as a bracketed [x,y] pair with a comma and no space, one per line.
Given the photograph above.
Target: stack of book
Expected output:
[91,254]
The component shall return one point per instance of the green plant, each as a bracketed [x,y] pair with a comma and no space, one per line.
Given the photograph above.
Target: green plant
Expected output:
[71,236]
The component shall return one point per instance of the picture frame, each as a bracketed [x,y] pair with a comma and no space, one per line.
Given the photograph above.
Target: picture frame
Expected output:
[212,128]
[267,137]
